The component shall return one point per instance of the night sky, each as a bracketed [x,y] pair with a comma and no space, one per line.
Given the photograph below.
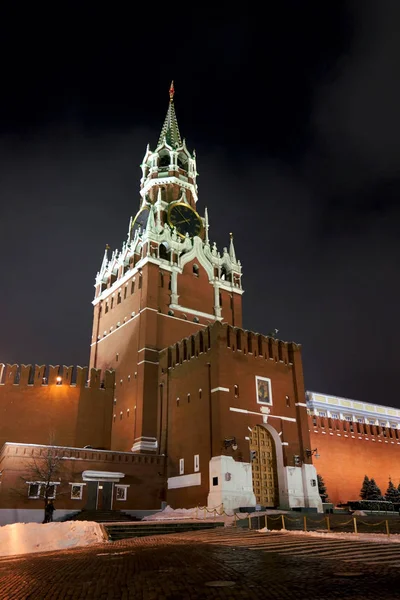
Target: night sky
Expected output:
[295,119]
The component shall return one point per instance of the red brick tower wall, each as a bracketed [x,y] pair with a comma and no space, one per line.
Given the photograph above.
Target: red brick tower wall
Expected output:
[203,372]
[348,451]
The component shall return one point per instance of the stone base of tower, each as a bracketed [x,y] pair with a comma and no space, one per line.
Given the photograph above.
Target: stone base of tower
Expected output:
[231,485]
[300,488]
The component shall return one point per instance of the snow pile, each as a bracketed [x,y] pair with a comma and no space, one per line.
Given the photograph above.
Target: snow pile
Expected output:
[355,537]
[200,514]
[24,538]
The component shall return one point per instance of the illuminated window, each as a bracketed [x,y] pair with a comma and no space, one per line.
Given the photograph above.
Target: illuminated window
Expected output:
[76,491]
[121,492]
[34,490]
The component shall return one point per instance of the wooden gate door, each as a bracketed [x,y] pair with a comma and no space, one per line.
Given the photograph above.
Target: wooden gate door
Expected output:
[263,467]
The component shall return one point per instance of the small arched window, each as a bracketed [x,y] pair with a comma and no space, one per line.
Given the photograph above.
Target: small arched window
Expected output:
[196,270]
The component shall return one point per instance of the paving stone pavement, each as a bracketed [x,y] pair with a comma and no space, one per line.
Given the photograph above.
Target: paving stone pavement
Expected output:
[178,566]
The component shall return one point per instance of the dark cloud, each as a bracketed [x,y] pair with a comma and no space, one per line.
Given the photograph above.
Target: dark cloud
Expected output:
[296,128]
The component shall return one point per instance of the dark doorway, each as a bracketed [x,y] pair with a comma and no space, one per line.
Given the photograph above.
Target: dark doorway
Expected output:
[91,503]
[104,500]
[99,495]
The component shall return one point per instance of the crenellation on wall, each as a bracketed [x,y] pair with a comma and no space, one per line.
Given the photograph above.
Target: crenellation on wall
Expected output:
[43,376]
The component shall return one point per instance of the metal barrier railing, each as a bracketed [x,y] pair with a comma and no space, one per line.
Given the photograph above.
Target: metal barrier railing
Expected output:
[218,511]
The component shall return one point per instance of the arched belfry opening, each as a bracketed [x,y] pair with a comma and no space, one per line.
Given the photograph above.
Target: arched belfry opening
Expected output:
[264,467]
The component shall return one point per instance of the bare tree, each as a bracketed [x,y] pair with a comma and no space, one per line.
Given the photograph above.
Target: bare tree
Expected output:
[45,473]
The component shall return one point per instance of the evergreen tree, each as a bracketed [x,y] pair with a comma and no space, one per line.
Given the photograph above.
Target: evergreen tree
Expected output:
[365,488]
[392,493]
[322,489]
[374,493]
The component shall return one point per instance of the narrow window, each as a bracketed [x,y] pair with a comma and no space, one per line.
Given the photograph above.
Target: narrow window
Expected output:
[287,401]
[181,466]
[228,336]
[249,342]
[161,280]
[120,415]
[127,412]
[201,341]
[188,398]
[200,394]
[112,301]
[185,353]
[259,343]
[140,281]
[117,357]
[215,480]
[133,287]
[125,291]
[169,358]
[220,299]
[177,354]
[106,310]
[177,402]
[270,353]
[169,284]
[236,391]
[196,463]
[231,302]
[280,353]
[239,339]
[119,298]
[196,270]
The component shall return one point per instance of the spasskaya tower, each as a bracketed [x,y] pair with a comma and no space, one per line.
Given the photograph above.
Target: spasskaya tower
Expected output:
[167,282]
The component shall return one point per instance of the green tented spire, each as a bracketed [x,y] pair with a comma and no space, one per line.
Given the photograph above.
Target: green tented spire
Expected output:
[170,129]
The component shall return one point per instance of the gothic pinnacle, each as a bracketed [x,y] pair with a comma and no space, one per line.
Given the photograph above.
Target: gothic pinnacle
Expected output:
[232,253]
[206,225]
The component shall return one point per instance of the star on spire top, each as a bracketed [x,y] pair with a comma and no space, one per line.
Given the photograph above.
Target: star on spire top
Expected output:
[170,129]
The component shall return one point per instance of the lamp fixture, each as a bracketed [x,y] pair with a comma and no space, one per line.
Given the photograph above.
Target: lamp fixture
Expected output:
[310,453]
[230,443]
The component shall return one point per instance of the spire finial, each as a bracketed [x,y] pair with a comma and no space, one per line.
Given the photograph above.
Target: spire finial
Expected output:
[170,130]
[171,91]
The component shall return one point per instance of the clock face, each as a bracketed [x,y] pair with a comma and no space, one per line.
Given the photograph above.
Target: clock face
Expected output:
[140,221]
[185,220]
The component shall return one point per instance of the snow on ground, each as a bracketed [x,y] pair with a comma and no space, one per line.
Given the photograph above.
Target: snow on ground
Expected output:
[25,538]
[201,514]
[355,537]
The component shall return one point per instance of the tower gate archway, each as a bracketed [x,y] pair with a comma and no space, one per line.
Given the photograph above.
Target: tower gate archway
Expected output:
[264,467]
